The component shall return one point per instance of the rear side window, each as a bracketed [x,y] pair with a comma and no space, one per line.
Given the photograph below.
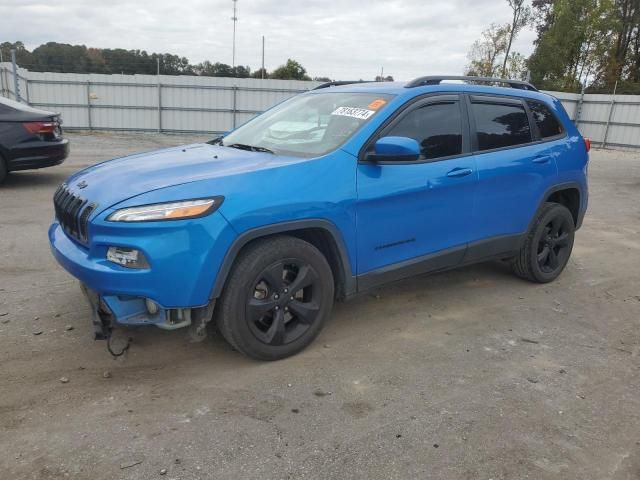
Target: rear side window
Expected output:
[548,124]
[437,127]
[500,125]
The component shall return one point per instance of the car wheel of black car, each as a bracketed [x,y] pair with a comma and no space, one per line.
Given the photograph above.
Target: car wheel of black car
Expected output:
[548,245]
[277,298]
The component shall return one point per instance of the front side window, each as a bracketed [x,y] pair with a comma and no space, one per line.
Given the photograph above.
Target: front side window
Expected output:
[500,125]
[309,125]
[548,125]
[436,127]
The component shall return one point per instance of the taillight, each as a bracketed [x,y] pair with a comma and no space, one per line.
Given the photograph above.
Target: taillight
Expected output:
[40,128]
[587,144]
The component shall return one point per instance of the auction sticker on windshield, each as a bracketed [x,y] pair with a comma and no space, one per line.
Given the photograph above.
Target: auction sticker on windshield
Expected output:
[361,113]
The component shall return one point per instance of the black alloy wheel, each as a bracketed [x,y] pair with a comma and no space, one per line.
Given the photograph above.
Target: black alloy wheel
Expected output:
[284,302]
[553,247]
[277,298]
[548,245]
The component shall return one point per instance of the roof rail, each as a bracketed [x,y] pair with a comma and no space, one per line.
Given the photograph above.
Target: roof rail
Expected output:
[437,79]
[341,82]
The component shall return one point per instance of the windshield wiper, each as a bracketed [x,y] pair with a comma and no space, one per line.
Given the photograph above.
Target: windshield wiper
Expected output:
[250,148]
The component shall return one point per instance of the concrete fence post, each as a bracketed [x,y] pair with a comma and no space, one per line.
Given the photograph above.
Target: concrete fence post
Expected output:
[235,104]
[579,108]
[1,75]
[159,95]
[89,124]
[606,128]
[16,85]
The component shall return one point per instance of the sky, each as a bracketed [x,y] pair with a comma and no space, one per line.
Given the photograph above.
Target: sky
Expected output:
[345,39]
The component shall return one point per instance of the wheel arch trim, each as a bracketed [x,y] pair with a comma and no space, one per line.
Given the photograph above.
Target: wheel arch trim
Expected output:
[557,188]
[285,227]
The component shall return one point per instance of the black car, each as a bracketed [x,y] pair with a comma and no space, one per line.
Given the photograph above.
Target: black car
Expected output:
[29,138]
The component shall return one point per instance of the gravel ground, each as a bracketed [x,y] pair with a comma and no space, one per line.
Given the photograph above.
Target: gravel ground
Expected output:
[470,374]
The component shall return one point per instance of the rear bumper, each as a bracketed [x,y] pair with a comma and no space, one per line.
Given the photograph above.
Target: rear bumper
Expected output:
[38,154]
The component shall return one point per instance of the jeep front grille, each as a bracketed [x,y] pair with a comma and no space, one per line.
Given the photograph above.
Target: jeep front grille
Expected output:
[73,213]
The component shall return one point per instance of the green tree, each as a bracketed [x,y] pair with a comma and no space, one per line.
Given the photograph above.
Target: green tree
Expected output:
[23,56]
[571,43]
[60,57]
[260,73]
[624,18]
[291,70]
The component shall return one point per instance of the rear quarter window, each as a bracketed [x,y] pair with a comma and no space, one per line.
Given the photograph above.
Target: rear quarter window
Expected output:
[547,123]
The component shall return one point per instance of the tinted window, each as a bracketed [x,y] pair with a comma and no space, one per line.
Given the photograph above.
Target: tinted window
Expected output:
[500,126]
[548,125]
[436,127]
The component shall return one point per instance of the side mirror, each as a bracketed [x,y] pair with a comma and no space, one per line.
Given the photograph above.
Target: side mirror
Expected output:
[395,149]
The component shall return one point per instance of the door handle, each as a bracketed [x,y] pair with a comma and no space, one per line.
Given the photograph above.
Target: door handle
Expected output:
[459,172]
[542,159]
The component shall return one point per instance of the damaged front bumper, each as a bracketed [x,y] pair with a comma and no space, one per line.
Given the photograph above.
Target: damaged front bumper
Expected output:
[111,310]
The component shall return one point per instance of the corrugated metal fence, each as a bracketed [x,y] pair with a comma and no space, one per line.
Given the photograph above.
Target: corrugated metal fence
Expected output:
[215,105]
[148,102]
[608,120]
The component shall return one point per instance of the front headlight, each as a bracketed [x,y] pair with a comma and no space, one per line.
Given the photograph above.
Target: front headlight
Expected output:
[167,211]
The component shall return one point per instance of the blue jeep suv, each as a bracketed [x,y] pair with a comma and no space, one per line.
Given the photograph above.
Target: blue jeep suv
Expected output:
[330,193]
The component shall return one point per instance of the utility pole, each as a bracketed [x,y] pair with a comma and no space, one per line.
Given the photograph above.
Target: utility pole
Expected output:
[235,20]
[262,71]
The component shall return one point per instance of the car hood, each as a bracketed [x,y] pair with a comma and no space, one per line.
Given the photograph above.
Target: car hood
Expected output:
[117,180]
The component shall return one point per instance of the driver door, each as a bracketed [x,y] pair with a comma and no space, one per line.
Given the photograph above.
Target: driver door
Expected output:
[414,217]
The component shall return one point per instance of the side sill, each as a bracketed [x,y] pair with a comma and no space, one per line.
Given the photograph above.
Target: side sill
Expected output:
[495,248]
[442,260]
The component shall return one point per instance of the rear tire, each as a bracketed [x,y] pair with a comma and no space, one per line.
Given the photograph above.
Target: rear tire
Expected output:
[548,245]
[278,296]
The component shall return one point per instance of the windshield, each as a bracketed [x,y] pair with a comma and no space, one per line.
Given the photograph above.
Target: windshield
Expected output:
[308,125]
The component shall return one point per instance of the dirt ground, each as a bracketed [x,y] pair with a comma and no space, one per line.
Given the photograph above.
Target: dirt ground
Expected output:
[470,374]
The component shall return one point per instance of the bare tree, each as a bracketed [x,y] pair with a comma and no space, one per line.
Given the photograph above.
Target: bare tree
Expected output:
[520,18]
[485,52]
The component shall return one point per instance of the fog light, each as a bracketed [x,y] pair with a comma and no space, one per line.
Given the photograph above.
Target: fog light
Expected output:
[152,307]
[127,257]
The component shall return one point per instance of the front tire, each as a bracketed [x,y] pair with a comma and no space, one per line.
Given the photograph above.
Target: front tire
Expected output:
[548,245]
[277,298]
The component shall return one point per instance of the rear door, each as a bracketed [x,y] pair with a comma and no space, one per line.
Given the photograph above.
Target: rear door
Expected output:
[408,210]
[515,168]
